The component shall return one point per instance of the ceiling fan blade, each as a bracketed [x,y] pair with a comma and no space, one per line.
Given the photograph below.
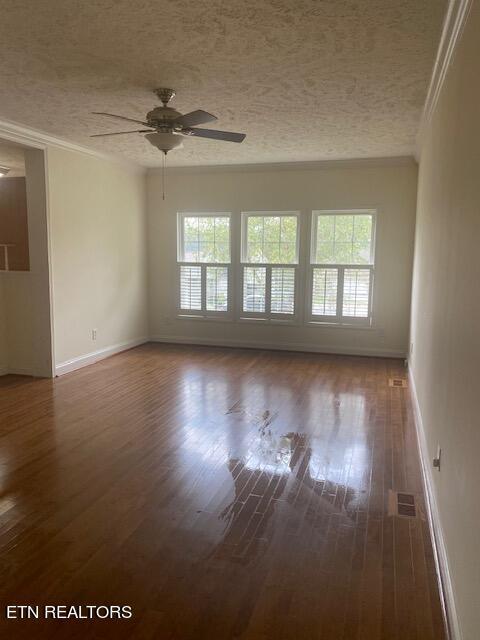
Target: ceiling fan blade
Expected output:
[120,133]
[195,117]
[213,134]
[113,115]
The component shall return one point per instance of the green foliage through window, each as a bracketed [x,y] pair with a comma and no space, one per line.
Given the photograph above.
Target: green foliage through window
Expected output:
[343,239]
[206,239]
[271,239]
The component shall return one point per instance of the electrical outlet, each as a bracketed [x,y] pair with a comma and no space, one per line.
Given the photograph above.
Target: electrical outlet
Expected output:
[411,349]
[94,334]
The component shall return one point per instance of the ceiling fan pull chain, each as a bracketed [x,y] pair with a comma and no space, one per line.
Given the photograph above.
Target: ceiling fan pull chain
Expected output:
[164,174]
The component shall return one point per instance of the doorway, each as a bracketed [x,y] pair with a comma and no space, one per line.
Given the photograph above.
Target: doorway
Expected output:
[25,301]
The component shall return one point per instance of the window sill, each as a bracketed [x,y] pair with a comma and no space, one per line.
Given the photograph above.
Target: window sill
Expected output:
[242,320]
[337,325]
[276,321]
[186,316]
[290,322]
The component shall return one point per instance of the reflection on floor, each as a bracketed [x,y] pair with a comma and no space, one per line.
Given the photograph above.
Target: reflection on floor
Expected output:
[221,493]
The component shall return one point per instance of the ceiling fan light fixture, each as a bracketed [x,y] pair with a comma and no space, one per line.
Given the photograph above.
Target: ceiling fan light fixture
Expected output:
[165,141]
[4,171]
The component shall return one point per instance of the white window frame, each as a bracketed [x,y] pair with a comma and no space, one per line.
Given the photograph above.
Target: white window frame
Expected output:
[268,316]
[339,319]
[203,313]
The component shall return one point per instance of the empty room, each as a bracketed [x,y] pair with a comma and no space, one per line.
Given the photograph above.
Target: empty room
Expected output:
[239,319]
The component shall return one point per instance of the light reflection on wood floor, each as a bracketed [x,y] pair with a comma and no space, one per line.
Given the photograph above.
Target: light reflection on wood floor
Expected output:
[221,493]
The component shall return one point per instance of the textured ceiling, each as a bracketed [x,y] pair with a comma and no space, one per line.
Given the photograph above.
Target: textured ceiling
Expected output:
[304,79]
[11,156]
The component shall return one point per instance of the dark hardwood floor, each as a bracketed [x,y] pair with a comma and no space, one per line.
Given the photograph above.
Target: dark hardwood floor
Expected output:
[221,494]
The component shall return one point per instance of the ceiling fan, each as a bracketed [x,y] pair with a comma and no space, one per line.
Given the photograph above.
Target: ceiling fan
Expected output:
[167,127]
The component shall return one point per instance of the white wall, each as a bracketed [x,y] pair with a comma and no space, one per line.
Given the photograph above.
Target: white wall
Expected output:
[98,253]
[18,323]
[40,321]
[389,187]
[446,315]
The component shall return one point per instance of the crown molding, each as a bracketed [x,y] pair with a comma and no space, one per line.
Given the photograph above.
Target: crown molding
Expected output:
[455,19]
[20,134]
[311,165]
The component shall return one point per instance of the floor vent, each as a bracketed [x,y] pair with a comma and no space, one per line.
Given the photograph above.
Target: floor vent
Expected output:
[402,504]
[397,382]
[406,505]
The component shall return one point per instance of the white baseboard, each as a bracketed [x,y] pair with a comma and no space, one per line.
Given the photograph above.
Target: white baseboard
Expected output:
[3,370]
[100,354]
[438,540]
[95,356]
[275,346]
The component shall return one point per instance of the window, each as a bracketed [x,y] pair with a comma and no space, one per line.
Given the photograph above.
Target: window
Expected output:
[342,266]
[271,283]
[204,263]
[269,265]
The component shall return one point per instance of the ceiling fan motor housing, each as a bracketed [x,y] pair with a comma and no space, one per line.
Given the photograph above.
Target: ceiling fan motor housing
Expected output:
[162,117]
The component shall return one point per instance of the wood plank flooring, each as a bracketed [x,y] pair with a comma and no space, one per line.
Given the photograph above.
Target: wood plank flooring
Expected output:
[220,493]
